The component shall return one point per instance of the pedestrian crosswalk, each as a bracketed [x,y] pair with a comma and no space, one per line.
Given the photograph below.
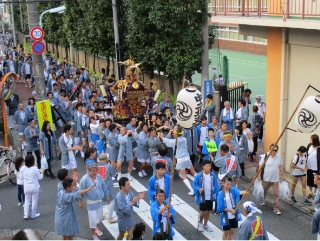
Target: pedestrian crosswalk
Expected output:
[180,206]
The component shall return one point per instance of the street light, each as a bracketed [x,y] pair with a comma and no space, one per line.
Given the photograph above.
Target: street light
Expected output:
[52,10]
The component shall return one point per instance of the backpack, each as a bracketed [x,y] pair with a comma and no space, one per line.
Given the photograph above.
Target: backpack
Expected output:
[257,120]
[296,161]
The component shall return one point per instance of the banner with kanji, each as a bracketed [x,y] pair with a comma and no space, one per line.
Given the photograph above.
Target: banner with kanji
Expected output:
[44,113]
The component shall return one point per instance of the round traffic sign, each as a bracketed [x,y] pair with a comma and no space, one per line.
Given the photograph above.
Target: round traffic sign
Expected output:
[38,47]
[37,33]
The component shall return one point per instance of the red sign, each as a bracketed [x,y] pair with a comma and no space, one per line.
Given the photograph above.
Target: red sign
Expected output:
[37,33]
[38,47]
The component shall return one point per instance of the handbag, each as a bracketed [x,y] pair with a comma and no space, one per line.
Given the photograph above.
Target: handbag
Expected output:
[44,162]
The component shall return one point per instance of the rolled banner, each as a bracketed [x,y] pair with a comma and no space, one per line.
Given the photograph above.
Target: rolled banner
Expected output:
[189,106]
[307,119]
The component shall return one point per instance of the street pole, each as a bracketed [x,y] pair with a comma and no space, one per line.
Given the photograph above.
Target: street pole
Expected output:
[2,22]
[39,82]
[205,51]
[22,25]
[116,38]
[13,27]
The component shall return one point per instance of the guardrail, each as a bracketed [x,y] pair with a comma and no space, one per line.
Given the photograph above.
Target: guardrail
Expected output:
[302,9]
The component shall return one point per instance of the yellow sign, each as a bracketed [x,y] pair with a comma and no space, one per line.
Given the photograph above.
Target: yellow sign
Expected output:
[44,113]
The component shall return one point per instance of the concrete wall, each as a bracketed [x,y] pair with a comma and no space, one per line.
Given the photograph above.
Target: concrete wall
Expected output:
[303,69]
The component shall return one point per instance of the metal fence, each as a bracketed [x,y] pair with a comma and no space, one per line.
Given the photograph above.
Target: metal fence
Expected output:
[302,9]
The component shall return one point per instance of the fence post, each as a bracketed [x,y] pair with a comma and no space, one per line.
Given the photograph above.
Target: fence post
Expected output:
[225,7]
[243,7]
[259,8]
[223,95]
[247,8]
[215,8]
[287,10]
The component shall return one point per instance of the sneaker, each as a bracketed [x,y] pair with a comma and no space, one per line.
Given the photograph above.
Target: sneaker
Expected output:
[277,211]
[200,227]
[20,204]
[208,228]
[133,168]
[140,174]
[191,193]
[259,140]
[25,217]
[37,215]
[293,199]
[129,177]
[262,203]
[144,173]
[309,196]
[306,202]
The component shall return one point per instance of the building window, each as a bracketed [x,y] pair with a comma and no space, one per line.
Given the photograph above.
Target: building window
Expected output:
[232,33]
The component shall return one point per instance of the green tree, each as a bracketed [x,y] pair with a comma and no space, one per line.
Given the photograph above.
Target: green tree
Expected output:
[20,17]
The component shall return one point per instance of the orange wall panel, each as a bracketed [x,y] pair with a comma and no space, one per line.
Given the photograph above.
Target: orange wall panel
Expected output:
[273,85]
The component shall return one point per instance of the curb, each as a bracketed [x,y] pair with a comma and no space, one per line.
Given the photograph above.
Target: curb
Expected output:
[300,207]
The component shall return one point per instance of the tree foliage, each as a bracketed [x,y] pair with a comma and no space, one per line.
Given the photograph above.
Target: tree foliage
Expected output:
[164,35]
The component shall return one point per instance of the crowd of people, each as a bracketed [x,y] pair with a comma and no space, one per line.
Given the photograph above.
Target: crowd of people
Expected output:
[223,142]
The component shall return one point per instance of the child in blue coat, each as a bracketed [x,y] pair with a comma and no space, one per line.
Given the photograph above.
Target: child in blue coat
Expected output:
[160,180]
[210,148]
[206,188]
[160,217]
[228,199]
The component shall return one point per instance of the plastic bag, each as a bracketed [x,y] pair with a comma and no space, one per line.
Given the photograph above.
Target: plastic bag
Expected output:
[284,190]
[258,191]
[44,162]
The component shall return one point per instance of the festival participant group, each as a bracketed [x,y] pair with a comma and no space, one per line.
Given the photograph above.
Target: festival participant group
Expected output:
[87,131]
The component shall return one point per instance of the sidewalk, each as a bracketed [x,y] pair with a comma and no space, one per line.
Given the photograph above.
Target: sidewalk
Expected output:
[23,92]
[6,234]
[250,172]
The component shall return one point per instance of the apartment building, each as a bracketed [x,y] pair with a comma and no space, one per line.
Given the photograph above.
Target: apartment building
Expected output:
[292,29]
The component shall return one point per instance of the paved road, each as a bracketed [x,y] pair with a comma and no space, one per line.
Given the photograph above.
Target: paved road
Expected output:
[292,224]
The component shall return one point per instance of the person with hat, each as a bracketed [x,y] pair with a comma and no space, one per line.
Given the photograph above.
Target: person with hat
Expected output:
[261,111]
[253,227]
[106,171]
[94,198]
[227,139]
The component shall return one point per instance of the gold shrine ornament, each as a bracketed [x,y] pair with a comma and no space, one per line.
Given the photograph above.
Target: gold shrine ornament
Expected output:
[135,85]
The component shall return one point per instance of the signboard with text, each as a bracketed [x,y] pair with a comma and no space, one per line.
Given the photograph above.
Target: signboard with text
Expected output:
[44,113]
[37,33]
[208,86]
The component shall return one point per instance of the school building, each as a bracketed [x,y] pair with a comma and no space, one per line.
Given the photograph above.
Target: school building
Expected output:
[291,29]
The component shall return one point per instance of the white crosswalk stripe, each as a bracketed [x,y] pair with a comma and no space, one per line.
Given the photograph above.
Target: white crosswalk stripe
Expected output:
[180,206]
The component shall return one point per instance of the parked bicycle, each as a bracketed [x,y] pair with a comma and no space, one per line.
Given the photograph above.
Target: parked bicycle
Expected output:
[7,166]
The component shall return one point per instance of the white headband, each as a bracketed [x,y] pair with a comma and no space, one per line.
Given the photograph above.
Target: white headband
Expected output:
[251,208]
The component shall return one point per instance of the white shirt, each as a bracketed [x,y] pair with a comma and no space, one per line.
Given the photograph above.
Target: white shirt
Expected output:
[164,219]
[312,158]
[207,186]
[271,170]
[261,108]
[69,143]
[94,127]
[301,163]
[31,177]
[161,183]
[246,131]
[229,205]
[19,174]
[203,134]
[47,63]
[28,69]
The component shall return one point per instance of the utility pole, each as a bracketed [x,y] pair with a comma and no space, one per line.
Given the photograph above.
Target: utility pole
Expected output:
[13,27]
[2,22]
[116,38]
[38,75]
[205,50]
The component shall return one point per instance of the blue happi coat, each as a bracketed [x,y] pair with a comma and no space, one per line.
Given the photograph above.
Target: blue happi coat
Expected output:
[98,193]
[221,205]
[112,146]
[153,186]
[198,183]
[107,171]
[143,146]
[66,219]
[32,141]
[157,218]
[126,149]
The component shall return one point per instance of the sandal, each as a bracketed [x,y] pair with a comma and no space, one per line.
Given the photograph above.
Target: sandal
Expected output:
[98,232]
[113,220]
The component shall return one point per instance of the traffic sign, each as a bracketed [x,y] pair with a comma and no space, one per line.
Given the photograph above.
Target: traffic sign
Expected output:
[37,33]
[38,47]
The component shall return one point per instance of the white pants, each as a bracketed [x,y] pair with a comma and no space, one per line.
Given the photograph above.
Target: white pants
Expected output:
[95,217]
[318,236]
[31,194]
[111,208]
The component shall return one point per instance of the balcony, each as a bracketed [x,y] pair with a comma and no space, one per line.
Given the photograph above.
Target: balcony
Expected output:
[278,13]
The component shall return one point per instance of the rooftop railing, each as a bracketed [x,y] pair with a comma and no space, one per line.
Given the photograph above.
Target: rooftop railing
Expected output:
[286,9]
